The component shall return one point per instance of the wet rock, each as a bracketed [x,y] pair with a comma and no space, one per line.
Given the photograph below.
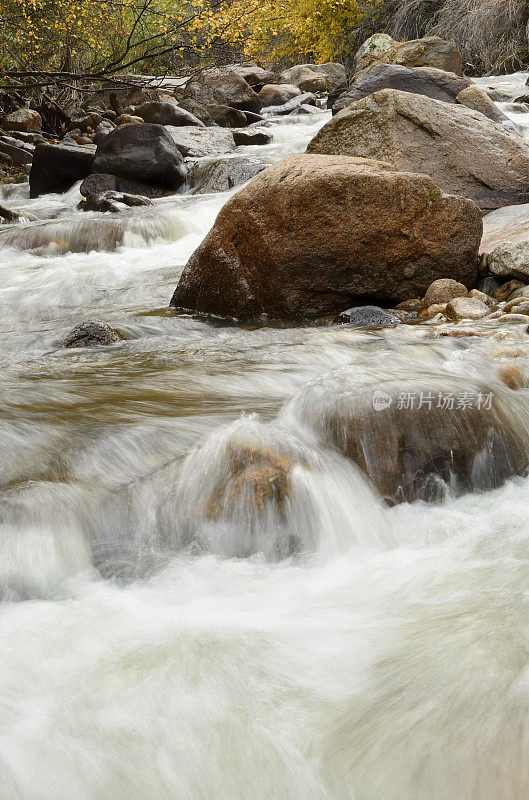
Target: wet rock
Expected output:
[306,78]
[222,85]
[25,119]
[145,153]
[91,334]
[200,142]
[56,168]
[427,81]
[430,51]
[314,235]
[510,260]
[274,94]
[219,176]
[11,216]
[292,106]
[414,304]
[513,319]
[100,182]
[368,317]
[519,305]
[466,308]
[443,290]
[166,113]
[512,376]
[417,436]
[251,137]
[463,151]
[112,201]
[504,291]
[477,295]
[433,310]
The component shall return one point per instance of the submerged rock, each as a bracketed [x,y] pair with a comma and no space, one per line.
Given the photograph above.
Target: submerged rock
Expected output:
[91,334]
[464,152]
[112,201]
[313,235]
[417,437]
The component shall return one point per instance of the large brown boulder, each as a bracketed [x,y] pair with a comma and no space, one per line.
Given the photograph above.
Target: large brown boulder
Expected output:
[430,51]
[464,152]
[417,435]
[317,234]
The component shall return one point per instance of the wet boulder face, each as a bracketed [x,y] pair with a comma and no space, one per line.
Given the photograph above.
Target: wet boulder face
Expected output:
[312,235]
[464,152]
[56,168]
[427,81]
[223,86]
[430,51]
[143,153]
[418,437]
[90,334]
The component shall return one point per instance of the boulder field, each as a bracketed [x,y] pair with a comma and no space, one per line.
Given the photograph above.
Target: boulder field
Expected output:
[312,235]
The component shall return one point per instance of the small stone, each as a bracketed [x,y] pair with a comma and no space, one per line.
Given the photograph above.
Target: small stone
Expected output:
[519,305]
[251,138]
[512,376]
[90,334]
[481,296]
[414,304]
[506,289]
[512,318]
[443,290]
[466,308]
[368,317]
[433,310]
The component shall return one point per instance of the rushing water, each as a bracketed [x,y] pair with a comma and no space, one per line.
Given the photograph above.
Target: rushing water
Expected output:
[151,650]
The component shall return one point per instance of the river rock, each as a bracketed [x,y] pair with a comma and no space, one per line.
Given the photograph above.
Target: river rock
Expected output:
[505,291]
[512,376]
[510,260]
[306,78]
[314,235]
[478,100]
[415,435]
[112,201]
[274,94]
[90,334]
[444,290]
[166,113]
[25,119]
[253,74]
[145,153]
[251,137]
[200,142]
[219,176]
[427,81]
[99,182]
[226,117]
[292,106]
[56,168]
[466,308]
[430,51]
[464,152]
[368,317]
[222,85]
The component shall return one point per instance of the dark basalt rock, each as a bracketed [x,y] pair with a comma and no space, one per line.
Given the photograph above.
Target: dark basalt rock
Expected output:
[368,317]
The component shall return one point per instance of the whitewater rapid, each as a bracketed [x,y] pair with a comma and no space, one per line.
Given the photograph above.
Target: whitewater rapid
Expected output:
[388,657]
